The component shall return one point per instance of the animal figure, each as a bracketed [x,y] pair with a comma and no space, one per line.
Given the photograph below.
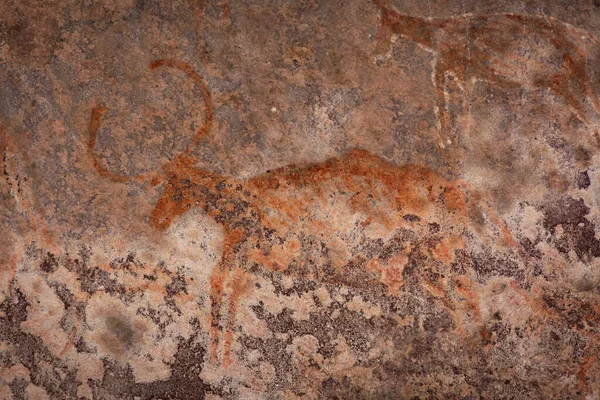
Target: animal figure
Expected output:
[507,50]
[301,220]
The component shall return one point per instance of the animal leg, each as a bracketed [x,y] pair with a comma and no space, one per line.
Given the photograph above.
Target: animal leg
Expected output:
[561,88]
[439,82]
[238,285]
[589,92]
[383,37]
[577,73]
[595,100]
[477,200]
[467,92]
[217,286]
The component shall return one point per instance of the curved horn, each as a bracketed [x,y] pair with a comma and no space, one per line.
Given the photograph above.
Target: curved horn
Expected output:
[205,94]
[99,110]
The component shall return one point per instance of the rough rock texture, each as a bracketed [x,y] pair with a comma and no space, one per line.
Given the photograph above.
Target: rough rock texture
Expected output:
[358,199]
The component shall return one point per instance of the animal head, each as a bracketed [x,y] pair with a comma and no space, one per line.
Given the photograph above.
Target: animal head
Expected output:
[178,173]
[420,30]
[187,187]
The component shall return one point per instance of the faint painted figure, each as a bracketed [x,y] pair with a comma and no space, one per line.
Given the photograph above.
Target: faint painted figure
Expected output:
[507,50]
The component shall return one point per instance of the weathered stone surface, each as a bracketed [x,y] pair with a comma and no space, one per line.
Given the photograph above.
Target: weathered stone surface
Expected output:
[358,199]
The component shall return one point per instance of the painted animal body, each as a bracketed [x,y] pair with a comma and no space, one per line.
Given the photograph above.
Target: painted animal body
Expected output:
[301,221]
[507,50]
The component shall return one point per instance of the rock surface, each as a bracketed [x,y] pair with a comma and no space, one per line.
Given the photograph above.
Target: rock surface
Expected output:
[358,199]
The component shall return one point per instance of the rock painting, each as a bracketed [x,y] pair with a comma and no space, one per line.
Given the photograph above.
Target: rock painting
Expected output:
[333,200]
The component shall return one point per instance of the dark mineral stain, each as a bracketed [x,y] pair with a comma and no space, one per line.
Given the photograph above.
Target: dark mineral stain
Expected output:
[17,387]
[438,322]
[583,180]
[576,312]
[49,264]
[46,370]
[121,328]
[184,383]
[177,285]
[341,390]
[94,278]
[140,5]
[578,232]
[486,264]
[412,218]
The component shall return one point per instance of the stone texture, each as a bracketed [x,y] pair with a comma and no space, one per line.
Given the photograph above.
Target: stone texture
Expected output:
[357,199]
